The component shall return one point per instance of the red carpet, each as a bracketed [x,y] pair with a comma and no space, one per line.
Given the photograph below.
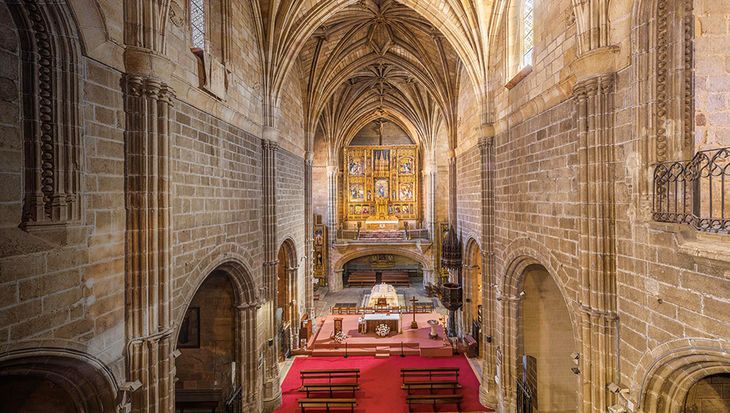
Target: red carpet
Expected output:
[380,383]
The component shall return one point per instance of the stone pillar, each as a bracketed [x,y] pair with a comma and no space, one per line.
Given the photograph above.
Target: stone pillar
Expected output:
[428,277]
[429,179]
[248,371]
[452,190]
[332,201]
[272,389]
[597,253]
[148,282]
[336,281]
[308,241]
[488,387]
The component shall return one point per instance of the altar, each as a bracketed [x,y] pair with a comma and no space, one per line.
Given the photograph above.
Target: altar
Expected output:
[383,295]
[372,321]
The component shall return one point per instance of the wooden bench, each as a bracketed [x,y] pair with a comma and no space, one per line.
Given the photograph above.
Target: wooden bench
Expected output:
[422,374]
[361,278]
[431,385]
[327,404]
[330,388]
[329,375]
[396,278]
[434,400]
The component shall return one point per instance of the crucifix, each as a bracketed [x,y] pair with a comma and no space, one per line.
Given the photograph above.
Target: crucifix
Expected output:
[414,324]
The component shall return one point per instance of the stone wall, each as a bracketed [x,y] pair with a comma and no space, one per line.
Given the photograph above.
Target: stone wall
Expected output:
[469,194]
[712,74]
[709,395]
[216,200]
[64,288]
[289,210]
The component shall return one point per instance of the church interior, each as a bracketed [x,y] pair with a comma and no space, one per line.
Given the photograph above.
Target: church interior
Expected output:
[239,206]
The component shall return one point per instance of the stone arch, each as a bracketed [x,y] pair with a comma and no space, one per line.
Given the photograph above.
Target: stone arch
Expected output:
[340,264]
[473,278]
[525,253]
[50,81]
[287,282]
[86,382]
[245,309]
[666,374]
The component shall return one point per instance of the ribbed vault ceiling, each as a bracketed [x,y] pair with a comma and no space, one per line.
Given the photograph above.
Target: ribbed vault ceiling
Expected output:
[378,59]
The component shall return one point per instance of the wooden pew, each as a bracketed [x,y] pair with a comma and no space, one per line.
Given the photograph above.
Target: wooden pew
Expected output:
[327,404]
[434,400]
[442,373]
[330,388]
[431,379]
[396,278]
[361,279]
[329,375]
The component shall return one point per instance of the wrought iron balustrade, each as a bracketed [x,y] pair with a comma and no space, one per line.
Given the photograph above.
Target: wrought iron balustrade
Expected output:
[695,192]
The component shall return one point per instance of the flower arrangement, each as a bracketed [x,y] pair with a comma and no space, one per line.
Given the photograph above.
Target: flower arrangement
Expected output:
[340,337]
[382,330]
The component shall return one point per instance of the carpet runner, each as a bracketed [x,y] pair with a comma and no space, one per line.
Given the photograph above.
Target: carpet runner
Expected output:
[380,382]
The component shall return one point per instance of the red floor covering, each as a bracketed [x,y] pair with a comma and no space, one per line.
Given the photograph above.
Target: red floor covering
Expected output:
[380,382]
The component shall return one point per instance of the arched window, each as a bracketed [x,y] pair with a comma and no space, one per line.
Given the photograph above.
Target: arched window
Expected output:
[527,32]
[520,40]
[197,23]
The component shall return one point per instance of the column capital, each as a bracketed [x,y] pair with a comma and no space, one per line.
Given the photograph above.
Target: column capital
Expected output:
[594,63]
[270,134]
[146,63]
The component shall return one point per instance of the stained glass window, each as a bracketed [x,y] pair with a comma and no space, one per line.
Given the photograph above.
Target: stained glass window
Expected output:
[197,23]
[527,31]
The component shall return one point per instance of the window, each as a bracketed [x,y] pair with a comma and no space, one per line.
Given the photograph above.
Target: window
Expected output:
[527,32]
[197,23]
[520,40]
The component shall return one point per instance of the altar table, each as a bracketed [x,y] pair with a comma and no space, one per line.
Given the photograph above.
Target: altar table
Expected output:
[373,320]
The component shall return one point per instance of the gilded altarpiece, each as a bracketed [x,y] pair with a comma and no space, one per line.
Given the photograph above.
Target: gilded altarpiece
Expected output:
[381,183]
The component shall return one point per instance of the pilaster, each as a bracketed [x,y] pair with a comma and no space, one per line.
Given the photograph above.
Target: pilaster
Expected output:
[308,241]
[597,253]
[148,261]
[488,388]
[453,223]
[269,147]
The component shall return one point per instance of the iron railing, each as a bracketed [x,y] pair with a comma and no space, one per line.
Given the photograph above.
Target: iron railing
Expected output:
[695,192]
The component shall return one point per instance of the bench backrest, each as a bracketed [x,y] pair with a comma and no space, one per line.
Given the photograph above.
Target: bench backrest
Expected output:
[329,374]
[429,373]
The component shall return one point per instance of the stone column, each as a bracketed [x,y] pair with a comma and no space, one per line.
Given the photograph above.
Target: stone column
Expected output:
[597,249]
[488,388]
[452,190]
[332,201]
[336,281]
[429,179]
[269,145]
[148,282]
[248,371]
[308,241]
[428,277]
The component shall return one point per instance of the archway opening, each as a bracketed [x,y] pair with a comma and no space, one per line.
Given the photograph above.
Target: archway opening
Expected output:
[709,395]
[473,293]
[545,379]
[397,270]
[286,293]
[206,369]
[51,381]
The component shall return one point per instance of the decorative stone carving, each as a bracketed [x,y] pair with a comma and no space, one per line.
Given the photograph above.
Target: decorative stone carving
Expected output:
[177,14]
[51,90]
[674,29]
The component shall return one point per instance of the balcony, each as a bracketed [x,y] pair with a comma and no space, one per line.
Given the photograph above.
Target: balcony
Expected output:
[694,192]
